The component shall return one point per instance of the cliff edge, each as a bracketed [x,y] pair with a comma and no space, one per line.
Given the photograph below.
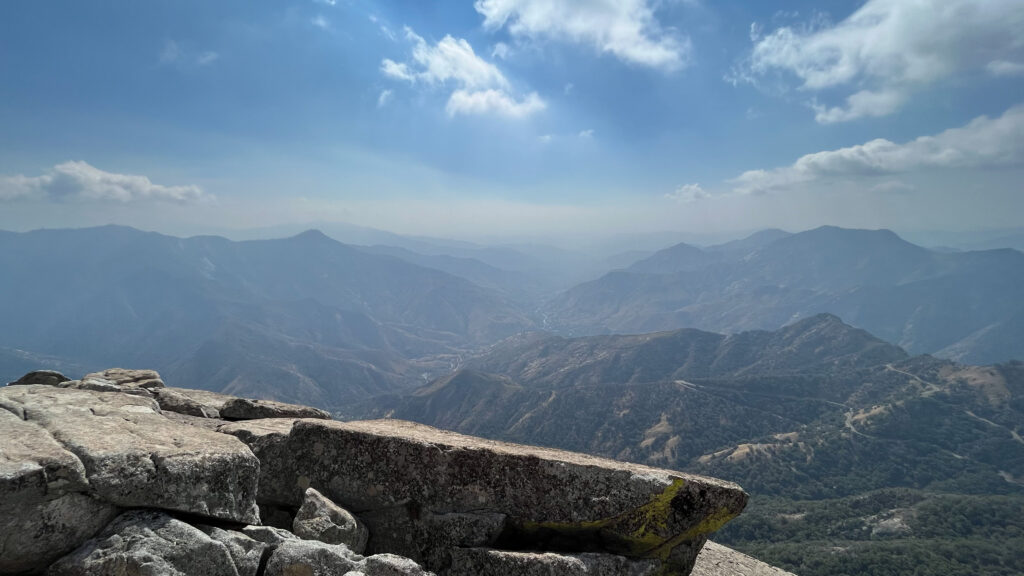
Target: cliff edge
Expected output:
[117,473]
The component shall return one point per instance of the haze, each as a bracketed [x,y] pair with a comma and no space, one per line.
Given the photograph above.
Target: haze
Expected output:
[516,118]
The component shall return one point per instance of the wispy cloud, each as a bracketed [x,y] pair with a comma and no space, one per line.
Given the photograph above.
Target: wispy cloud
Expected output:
[886,51]
[320,22]
[384,98]
[173,54]
[626,29]
[480,86]
[587,134]
[78,181]
[983,143]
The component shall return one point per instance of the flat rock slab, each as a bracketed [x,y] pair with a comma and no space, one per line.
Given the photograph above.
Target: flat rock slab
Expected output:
[551,499]
[44,511]
[717,560]
[135,457]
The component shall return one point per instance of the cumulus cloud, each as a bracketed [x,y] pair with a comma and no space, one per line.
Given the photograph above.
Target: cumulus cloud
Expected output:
[626,29]
[493,101]
[886,50]
[78,181]
[480,86]
[983,143]
[687,193]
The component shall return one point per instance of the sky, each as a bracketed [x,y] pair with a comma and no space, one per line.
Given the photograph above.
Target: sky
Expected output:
[494,118]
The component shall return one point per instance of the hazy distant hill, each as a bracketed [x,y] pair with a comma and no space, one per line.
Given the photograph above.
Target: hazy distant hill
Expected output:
[962,305]
[303,318]
[844,440]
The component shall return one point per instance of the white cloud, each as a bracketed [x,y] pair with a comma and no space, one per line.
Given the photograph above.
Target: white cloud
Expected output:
[887,50]
[588,133]
[493,101]
[568,88]
[1005,68]
[545,138]
[501,51]
[687,193]
[480,87]
[983,143]
[328,2]
[453,59]
[173,54]
[396,70]
[320,22]
[78,181]
[384,98]
[626,29]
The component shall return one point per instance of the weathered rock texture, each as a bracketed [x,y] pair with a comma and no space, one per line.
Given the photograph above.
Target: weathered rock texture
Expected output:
[118,474]
[320,519]
[717,560]
[134,457]
[402,477]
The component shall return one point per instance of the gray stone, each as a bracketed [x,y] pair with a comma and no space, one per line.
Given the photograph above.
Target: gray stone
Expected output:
[246,553]
[320,519]
[44,377]
[148,542]
[717,560]
[550,499]
[44,511]
[191,402]
[487,562]
[314,558]
[125,378]
[135,457]
[248,409]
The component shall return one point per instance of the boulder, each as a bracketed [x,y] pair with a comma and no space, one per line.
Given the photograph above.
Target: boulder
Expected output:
[44,377]
[320,519]
[487,562]
[148,542]
[201,403]
[550,500]
[135,457]
[717,560]
[247,409]
[44,509]
[124,378]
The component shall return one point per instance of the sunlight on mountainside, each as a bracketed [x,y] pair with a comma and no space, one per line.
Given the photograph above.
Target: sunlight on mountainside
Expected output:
[705,245]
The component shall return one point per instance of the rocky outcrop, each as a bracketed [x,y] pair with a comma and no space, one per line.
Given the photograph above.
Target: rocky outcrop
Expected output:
[148,542]
[118,474]
[320,519]
[408,482]
[134,457]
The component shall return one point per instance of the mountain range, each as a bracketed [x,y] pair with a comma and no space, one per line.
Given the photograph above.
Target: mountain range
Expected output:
[304,318]
[960,305]
[852,447]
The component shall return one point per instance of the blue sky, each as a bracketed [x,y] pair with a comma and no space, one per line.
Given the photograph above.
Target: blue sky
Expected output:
[517,117]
